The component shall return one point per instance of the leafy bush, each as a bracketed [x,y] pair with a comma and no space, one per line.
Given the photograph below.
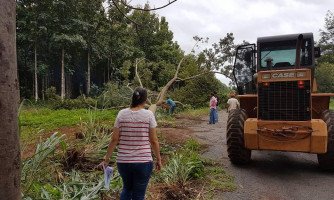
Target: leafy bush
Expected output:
[51,94]
[183,165]
[74,103]
[177,170]
[114,95]
[324,75]
[191,150]
[197,92]
[38,166]
[75,187]
[192,146]
[95,91]
[42,177]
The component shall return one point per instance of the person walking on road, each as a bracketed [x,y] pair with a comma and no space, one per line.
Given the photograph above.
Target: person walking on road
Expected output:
[216,113]
[213,107]
[171,105]
[135,134]
[232,103]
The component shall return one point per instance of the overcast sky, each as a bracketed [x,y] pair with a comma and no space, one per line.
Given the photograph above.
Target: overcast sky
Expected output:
[246,19]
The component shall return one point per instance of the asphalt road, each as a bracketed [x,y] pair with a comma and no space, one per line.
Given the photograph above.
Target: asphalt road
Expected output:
[271,175]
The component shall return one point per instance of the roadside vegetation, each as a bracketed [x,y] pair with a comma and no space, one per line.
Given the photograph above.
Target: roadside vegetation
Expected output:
[60,162]
[34,120]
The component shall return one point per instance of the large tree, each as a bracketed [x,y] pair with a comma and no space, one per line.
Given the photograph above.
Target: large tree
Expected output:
[9,101]
[221,55]
[327,39]
[324,72]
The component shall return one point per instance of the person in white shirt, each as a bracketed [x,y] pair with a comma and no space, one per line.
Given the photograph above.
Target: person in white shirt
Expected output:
[232,103]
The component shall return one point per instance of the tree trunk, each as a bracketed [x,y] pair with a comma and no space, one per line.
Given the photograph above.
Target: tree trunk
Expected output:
[88,74]
[36,78]
[9,102]
[43,87]
[68,85]
[62,93]
[108,76]
[162,94]
[104,72]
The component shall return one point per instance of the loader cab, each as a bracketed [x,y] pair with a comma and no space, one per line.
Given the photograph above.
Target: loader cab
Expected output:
[272,53]
[280,52]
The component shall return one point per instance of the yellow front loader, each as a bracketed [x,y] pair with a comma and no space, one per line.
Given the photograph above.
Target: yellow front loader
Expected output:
[280,108]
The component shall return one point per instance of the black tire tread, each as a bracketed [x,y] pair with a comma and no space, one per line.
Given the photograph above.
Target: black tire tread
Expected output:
[326,160]
[236,150]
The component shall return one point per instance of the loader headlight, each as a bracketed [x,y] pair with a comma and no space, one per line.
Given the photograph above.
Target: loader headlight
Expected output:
[266,76]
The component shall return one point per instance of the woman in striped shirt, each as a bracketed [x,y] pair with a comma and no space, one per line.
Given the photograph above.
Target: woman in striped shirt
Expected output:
[135,134]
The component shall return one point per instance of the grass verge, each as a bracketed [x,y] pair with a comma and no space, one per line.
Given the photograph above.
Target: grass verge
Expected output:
[185,175]
[195,114]
[36,119]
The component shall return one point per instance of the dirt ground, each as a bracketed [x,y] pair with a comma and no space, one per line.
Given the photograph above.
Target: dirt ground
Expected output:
[270,175]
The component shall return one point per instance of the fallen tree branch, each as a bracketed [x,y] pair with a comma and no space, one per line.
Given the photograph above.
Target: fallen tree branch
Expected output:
[147,9]
[128,86]
[164,90]
[197,75]
[119,10]
[139,79]
[136,71]
[178,102]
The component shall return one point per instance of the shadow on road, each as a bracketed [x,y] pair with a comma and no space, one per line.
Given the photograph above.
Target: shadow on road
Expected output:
[283,164]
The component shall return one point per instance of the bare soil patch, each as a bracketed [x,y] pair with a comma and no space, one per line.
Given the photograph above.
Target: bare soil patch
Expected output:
[28,149]
[176,136]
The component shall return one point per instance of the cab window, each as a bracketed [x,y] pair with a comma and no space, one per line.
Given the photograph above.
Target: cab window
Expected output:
[283,54]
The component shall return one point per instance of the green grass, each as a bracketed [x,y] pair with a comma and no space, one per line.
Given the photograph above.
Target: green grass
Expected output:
[194,113]
[217,179]
[331,104]
[34,120]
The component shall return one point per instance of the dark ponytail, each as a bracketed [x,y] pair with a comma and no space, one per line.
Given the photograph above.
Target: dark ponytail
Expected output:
[139,96]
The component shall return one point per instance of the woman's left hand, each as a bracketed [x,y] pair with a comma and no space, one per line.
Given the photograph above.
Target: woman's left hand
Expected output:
[103,164]
[158,165]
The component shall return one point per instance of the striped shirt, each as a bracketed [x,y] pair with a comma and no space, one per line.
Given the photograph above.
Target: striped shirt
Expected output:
[134,144]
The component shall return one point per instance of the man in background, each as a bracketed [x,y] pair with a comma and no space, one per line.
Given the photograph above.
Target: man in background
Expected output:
[171,105]
[232,103]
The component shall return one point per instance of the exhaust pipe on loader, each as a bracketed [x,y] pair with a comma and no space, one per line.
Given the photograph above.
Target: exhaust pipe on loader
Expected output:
[298,47]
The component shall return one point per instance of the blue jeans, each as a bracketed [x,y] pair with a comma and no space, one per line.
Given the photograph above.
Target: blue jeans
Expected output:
[216,115]
[135,178]
[212,119]
[171,109]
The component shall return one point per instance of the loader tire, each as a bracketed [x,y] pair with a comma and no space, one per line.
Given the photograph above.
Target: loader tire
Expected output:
[326,160]
[236,150]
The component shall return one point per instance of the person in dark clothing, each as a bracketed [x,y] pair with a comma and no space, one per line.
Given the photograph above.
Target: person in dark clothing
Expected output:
[171,104]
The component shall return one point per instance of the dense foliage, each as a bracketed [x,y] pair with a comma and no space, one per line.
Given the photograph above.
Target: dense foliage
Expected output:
[98,47]
[325,69]
[325,73]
